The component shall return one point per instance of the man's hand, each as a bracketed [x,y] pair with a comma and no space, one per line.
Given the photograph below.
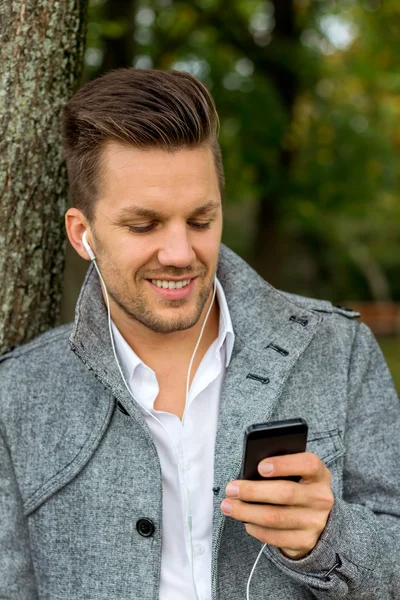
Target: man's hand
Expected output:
[288,515]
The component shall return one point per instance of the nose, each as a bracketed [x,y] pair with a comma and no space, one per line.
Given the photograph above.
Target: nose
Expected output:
[176,248]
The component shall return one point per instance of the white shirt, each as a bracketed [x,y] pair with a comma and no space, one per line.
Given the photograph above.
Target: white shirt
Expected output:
[187,487]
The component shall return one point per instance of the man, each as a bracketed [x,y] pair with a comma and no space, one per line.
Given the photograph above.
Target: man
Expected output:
[122,434]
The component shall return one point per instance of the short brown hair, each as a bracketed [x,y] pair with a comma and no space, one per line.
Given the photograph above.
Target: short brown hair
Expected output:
[145,108]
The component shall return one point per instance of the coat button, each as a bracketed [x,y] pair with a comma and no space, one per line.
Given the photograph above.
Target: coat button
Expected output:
[145,527]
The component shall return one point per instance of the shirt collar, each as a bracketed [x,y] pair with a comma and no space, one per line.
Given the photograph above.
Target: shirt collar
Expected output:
[129,360]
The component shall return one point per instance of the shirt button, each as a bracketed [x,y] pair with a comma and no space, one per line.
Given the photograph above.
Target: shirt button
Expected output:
[145,527]
[198,549]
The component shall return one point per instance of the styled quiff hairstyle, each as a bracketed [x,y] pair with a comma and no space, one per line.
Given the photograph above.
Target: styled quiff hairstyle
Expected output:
[143,108]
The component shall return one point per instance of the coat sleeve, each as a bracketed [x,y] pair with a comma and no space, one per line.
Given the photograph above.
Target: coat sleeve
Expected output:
[17,580]
[358,554]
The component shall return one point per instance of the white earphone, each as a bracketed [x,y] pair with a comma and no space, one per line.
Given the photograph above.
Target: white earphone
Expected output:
[87,247]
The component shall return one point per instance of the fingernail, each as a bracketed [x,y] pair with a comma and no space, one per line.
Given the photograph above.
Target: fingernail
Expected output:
[266,468]
[232,490]
[226,507]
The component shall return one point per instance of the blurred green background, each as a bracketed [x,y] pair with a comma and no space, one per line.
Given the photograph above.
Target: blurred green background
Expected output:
[308,94]
[391,350]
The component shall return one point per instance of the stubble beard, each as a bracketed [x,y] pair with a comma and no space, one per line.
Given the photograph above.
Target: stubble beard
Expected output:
[138,309]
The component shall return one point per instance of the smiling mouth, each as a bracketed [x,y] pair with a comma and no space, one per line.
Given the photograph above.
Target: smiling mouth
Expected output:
[170,284]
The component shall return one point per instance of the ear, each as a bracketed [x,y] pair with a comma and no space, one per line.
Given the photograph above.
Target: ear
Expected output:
[76,224]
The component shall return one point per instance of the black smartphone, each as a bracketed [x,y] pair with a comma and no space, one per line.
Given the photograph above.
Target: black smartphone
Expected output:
[275,438]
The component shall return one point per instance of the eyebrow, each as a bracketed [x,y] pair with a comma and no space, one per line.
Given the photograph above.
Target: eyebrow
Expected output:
[138,211]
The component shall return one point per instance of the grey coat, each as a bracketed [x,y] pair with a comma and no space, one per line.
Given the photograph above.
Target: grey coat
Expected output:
[79,469]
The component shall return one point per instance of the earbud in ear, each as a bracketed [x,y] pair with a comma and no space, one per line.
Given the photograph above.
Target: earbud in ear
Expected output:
[87,247]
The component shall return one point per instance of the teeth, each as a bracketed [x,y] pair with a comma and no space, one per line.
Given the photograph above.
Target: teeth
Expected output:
[172,285]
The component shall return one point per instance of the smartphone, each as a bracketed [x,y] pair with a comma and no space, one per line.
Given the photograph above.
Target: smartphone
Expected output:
[275,438]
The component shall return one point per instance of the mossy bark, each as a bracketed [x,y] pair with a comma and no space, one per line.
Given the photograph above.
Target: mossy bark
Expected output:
[42,45]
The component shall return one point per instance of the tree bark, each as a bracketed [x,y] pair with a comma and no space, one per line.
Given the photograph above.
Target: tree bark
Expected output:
[42,45]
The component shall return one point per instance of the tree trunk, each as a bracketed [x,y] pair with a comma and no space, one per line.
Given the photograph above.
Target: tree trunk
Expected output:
[120,51]
[42,44]
[269,245]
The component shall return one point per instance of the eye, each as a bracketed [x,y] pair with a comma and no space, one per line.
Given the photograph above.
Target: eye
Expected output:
[143,229]
[200,225]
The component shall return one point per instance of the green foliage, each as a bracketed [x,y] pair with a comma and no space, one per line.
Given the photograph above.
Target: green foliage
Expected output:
[309,107]
[391,349]
[344,183]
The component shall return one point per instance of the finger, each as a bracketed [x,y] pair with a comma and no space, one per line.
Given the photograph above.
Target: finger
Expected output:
[268,492]
[304,464]
[286,493]
[274,517]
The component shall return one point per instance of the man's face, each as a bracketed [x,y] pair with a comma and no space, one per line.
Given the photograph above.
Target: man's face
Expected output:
[158,219]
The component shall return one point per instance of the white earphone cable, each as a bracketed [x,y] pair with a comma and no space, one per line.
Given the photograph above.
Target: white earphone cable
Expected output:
[197,345]
[252,571]
[189,516]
